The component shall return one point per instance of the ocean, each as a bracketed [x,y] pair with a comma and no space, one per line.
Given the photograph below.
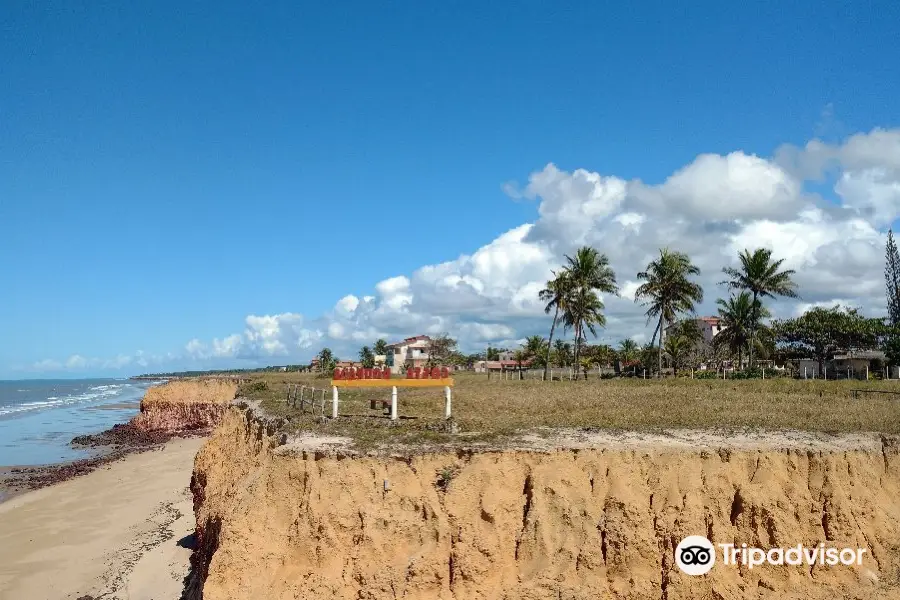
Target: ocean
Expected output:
[38,418]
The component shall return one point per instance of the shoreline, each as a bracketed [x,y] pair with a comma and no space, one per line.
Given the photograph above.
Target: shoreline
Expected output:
[109,446]
[121,530]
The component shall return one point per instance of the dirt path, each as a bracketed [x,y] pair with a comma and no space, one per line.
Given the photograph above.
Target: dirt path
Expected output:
[116,533]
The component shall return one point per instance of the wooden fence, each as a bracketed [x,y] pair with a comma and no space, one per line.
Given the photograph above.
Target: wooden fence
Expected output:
[306,397]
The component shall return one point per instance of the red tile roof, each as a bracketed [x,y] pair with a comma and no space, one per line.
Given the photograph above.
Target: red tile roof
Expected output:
[409,340]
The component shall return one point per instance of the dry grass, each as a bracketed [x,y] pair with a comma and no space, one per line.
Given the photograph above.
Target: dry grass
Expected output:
[490,410]
[197,391]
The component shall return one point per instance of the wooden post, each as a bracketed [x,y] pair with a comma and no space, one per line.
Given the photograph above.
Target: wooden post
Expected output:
[447,400]
[867,372]
[825,372]
[692,372]
[334,402]
[394,403]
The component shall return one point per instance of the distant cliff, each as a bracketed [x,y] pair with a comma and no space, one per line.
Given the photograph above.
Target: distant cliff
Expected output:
[185,405]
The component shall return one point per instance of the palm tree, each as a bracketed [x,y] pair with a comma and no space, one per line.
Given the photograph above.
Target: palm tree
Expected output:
[588,272]
[366,358]
[676,347]
[555,296]
[738,317]
[563,352]
[519,356]
[760,276]
[534,346]
[380,347]
[667,291]
[628,350]
[326,360]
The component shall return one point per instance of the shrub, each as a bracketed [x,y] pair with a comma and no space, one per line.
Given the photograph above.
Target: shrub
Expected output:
[445,476]
[252,387]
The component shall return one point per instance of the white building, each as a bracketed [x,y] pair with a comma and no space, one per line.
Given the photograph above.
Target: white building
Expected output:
[411,352]
[709,328]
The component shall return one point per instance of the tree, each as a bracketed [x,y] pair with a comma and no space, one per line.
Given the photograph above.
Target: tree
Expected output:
[366,357]
[535,348]
[562,351]
[604,355]
[492,353]
[892,279]
[555,296]
[824,331]
[738,316]
[520,357]
[760,276]
[588,272]
[628,350]
[667,291]
[650,357]
[326,360]
[380,347]
[676,348]
[440,349]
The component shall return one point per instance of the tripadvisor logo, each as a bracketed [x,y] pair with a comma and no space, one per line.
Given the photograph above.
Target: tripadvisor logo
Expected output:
[696,555]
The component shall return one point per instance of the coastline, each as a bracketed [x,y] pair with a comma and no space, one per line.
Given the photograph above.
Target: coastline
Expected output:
[111,445]
[121,530]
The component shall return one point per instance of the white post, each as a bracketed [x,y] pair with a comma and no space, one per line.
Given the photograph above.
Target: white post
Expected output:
[692,372]
[394,403]
[764,373]
[867,372]
[825,372]
[334,402]
[447,397]
[804,372]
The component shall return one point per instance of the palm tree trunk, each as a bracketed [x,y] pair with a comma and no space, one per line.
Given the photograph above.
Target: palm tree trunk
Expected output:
[659,352]
[550,342]
[577,348]
[752,330]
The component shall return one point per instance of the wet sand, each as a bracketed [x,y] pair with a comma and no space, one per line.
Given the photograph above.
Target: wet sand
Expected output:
[113,533]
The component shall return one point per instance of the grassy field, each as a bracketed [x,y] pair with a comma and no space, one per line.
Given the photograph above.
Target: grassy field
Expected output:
[493,410]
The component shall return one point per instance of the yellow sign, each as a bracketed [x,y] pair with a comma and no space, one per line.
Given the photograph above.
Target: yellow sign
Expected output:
[382,383]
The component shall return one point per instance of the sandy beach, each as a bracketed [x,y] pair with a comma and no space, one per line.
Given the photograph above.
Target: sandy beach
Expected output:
[120,532]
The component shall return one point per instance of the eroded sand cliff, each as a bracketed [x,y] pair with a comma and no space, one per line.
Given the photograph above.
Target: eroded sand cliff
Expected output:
[184,405]
[277,521]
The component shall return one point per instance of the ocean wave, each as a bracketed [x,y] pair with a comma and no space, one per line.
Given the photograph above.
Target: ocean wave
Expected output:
[94,393]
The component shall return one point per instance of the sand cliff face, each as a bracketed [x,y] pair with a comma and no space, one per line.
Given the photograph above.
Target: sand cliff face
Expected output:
[572,524]
[184,405]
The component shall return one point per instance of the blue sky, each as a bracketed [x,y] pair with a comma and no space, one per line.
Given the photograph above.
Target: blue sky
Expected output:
[168,170]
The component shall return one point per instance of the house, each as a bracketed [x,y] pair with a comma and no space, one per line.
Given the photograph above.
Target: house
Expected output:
[709,327]
[314,364]
[346,364]
[380,360]
[411,352]
[489,366]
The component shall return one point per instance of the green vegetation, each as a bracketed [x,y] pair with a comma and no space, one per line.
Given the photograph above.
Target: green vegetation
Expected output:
[760,276]
[498,411]
[667,292]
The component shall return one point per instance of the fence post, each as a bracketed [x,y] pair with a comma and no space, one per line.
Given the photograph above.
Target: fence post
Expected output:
[334,402]
[394,403]
[447,397]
